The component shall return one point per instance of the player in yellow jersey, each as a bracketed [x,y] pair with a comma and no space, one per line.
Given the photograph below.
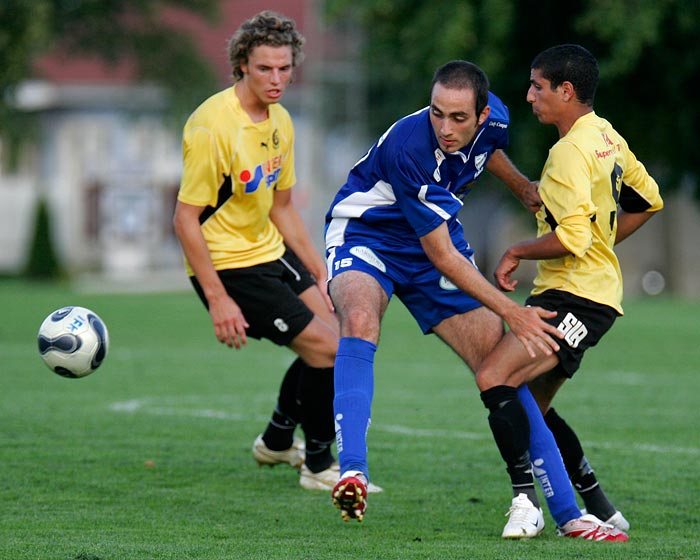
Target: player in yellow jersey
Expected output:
[247,251]
[595,193]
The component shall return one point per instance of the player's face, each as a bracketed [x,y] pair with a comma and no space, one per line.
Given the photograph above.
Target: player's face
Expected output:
[267,73]
[544,99]
[453,116]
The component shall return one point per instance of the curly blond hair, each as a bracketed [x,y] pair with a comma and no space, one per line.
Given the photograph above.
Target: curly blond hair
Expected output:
[265,28]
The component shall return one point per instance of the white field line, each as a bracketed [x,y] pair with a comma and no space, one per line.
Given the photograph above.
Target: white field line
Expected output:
[148,406]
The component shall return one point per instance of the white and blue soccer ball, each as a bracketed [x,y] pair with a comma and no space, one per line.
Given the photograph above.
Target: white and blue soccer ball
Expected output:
[73,341]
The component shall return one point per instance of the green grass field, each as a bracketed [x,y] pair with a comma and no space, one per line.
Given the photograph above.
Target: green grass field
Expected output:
[149,457]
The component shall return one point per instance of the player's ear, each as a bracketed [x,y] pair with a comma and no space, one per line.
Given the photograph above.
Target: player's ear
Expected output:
[568,91]
[484,115]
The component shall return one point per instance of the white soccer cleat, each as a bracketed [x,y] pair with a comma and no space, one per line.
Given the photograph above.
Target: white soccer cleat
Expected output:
[617,520]
[324,480]
[524,519]
[293,456]
[327,479]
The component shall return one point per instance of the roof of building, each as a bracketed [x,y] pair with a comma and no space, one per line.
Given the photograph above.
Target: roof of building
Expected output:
[61,67]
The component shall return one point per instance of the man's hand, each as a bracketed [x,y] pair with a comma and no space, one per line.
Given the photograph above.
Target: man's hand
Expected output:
[229,322]
[530,197]
[505,268]
[527,325]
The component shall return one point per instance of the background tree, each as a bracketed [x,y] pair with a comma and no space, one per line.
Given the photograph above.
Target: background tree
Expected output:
[43,263]
[110,29]
[649,54]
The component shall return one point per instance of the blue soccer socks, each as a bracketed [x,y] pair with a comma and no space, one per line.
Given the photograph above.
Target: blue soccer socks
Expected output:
[354,389]
[548,466]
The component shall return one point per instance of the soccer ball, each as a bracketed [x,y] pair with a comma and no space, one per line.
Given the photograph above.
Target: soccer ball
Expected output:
[73,341]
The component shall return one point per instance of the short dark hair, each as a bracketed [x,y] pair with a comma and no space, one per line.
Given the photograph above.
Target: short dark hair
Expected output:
[265,28]
[570,63]
[460,74]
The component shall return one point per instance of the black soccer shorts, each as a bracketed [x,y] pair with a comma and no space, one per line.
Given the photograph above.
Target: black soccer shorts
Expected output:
[583,322]
[268,295]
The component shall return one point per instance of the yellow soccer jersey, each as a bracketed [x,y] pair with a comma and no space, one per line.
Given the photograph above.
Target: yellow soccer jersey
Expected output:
[232,166]
[588,172]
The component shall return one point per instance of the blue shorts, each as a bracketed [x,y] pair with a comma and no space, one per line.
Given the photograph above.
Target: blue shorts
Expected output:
[406,271]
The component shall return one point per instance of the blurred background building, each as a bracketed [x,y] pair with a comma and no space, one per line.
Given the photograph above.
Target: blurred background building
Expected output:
[106,161]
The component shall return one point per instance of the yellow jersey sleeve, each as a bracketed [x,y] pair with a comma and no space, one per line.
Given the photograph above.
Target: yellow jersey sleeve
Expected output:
[639,191]
[202,170]
[566,197]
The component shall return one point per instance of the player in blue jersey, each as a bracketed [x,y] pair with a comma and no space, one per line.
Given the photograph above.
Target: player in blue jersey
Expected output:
[393,228]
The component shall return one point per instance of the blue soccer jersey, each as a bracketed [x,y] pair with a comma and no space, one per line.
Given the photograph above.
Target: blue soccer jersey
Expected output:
[406,186]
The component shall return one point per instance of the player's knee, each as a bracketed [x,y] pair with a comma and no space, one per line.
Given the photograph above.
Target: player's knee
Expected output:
[360,323]
[319,353]
[487,377]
